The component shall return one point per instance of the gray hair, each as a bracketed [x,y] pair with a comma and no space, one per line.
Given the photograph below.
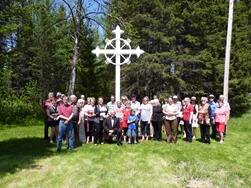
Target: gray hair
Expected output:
[73,96]
[204,99]
[187,99]
[51,94]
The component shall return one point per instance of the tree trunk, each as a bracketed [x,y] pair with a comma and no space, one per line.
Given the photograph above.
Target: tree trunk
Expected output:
[77,26]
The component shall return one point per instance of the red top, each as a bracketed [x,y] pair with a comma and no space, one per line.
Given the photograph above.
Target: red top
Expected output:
[65,110]
[187,112]
[126,113]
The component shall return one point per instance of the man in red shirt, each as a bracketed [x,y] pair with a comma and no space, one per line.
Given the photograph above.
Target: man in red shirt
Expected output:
[46,103]
[187,118]
[65,114]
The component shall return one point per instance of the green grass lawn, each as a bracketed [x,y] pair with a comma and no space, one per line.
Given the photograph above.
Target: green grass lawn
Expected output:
[26,160]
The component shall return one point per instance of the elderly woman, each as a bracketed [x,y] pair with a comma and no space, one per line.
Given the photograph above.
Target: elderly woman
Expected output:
[221,116]
[81,121]
[171,111]
[157,120]
[187,118]
[204,116]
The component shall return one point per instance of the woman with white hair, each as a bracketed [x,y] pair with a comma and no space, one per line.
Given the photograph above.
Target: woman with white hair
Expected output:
[81,121]
[187,118]
[204,116]
[157,120]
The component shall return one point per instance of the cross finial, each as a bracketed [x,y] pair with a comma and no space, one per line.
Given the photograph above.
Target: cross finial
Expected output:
[117,32]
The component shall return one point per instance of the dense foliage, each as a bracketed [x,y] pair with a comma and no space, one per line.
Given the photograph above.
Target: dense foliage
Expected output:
[184,43]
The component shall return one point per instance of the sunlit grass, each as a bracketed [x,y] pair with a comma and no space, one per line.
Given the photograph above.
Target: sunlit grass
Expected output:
[27,161]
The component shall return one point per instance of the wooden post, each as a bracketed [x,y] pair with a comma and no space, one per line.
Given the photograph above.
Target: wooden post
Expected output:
[228,49]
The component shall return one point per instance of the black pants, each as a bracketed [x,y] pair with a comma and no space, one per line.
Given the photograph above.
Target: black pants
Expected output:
[145,128]
[157,125]
[188,129]
[205,133]
[213,128]
[46,128]
[98,134]
[109,138]
[91,128]
[76,133]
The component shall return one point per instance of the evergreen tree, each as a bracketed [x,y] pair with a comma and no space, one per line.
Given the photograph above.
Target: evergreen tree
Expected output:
[185,44]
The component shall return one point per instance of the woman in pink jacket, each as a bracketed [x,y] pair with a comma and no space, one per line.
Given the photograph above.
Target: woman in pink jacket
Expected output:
[221,116]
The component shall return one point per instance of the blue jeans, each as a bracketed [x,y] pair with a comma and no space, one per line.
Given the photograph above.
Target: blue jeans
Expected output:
[62,128]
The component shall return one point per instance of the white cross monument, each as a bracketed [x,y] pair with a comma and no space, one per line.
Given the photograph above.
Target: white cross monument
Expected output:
[117,51]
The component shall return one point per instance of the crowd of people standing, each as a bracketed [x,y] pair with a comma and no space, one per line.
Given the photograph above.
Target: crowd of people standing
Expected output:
[87,120]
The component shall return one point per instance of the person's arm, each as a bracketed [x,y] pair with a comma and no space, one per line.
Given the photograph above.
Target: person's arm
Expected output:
[191,113]
[105,125]
[151,114]
[197,108]
[227,116]
[210,111]
[176,112]
[130,121]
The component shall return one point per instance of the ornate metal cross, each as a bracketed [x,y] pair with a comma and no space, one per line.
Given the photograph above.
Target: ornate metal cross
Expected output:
[114,50]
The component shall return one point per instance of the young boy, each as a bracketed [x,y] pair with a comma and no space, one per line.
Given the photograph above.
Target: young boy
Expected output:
[132,120]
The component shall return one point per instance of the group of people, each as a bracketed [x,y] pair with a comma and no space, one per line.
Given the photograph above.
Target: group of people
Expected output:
[87,120]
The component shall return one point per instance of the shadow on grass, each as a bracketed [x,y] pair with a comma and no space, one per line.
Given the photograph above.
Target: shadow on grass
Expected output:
[17,154]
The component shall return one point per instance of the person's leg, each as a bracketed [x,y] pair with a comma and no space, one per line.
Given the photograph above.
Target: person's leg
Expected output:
[159,131]
[70,135]
[168,130]
[207,134]
[119,135]
[213,128]
[202,132]
[56,132]
[92,129]
[62,128]
[101,132]
[82,133]
[87,131]
[189,134]
[221,137]
[96,132]
[46,128]
[52,133]
[174,130]
[129,134]
[155,127]
[125,130]
[194,132]
[147,130]
[142,130]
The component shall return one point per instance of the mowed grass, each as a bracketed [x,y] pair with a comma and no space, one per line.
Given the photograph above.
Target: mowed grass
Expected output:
[26,160]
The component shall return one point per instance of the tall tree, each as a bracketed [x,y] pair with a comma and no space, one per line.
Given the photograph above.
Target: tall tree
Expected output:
[184,43]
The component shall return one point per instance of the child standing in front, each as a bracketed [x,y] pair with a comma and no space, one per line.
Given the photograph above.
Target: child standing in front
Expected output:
[131,132]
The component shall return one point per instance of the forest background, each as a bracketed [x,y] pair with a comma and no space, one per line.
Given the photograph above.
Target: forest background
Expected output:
[46,46]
